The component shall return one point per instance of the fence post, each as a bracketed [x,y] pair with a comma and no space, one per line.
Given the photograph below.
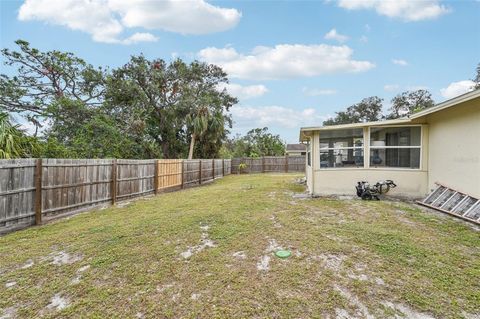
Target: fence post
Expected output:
[223,167]
[38,192]
[213,169]
[114,181]
[200,172]
[155,177]
[183,178]
[263,164]
[286,163]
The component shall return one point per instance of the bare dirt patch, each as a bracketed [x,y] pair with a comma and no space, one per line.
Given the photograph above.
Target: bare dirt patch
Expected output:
[406,311]
[263,263]
[362,310]
[329,261]
[58,302]
[240,255]
[205,242]
[29,263]
[9,313]
[63,258]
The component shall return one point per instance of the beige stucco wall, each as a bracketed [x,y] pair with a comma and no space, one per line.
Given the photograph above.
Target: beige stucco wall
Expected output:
[308,169]
[450,155]
[454,151]
[411,183]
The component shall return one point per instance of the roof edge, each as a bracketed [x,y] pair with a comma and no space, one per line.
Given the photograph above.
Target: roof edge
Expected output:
[448,103]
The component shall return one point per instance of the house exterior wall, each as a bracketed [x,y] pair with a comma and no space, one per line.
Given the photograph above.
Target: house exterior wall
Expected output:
[412,183]
[308,168]
[454,152]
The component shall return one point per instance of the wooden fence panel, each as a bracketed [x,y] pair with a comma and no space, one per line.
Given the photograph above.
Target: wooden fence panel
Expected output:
[191,172]
[228,167]
[169,173]
[207,170]
[275,164]
[219,168]
[69,185]
[135,178]
[17,193]
[296,163]
[74,184]
[269,164]
[234,162]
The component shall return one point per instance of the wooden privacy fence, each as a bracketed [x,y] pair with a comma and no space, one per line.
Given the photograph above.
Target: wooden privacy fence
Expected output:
[268,164]
[36,190]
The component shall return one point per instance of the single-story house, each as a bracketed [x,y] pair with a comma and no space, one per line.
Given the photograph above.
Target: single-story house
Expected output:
[438,144]
[296,149]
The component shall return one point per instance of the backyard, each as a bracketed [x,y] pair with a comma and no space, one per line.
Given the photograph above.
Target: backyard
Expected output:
[208,252]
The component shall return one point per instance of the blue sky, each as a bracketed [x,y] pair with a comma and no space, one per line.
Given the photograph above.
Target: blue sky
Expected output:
[292,63]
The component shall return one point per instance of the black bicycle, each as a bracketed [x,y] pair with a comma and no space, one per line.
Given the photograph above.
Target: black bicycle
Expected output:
[368,192]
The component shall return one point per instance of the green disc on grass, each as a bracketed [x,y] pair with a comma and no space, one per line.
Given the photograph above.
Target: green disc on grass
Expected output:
[283,253]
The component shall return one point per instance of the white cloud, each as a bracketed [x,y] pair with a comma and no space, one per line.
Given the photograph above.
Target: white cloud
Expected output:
[140,37]
[318,92]
[399,62]
[93,17]
[107,20]
[285,61]
[363,39]
[244,92]
[288,118]
[334,35]
[457,88]
[186,16]
[407,10]
[391,87]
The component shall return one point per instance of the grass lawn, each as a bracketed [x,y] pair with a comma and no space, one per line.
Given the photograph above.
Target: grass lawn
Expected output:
[208,252]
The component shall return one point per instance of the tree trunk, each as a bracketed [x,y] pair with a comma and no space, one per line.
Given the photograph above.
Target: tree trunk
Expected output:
[192,144]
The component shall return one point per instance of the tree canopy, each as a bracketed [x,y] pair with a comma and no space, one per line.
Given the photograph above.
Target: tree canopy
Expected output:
[13,140]
[370,109]
[143,109]
[256,143]
[476,79]
[367,110]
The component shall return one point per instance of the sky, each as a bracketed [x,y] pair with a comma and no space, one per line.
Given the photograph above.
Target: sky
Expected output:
[290,63]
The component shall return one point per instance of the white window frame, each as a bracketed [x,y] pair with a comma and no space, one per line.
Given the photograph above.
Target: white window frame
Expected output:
[370,147]
[362,148]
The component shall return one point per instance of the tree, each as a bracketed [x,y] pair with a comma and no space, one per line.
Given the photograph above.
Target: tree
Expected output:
[205,102]
[144,109]
[410,102]
[14,143]
[257,142]
[476,79]
[45,81]
[172,104]
[367,110]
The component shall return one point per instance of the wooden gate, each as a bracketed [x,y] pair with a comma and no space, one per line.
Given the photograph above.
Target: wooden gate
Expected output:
[169,172]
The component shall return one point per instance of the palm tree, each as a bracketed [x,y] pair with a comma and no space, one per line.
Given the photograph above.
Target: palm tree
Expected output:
[202,120]
[13,141]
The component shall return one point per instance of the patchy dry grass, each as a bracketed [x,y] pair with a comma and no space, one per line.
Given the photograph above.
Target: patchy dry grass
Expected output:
[208,253]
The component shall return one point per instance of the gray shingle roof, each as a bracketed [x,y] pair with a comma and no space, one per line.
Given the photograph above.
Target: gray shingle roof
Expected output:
[296,147]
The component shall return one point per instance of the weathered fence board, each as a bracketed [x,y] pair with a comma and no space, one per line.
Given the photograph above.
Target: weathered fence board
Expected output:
[73,184]
[269,164]
[135,178]
[17,193]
